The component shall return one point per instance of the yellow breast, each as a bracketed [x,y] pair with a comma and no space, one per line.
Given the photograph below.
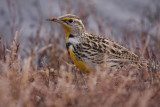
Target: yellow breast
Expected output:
[80,64]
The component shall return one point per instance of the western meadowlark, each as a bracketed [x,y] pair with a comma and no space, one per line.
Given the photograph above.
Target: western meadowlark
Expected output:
[89,51]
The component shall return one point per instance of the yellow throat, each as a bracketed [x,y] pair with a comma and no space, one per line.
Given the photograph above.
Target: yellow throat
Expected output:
[68,31]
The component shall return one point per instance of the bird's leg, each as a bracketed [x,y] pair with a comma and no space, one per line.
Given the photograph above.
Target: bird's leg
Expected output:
[75,79]
[84,81]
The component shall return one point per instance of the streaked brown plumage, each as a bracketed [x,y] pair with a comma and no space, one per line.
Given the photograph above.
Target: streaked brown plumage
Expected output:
[89,51]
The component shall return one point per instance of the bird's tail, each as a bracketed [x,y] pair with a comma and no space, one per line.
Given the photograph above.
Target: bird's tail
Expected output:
[154,66]
[154,69]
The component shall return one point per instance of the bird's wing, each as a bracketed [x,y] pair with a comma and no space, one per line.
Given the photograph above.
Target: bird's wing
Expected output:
[111,50]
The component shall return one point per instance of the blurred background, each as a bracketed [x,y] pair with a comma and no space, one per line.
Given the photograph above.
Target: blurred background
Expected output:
[113,19]
[27,15]
[36,71]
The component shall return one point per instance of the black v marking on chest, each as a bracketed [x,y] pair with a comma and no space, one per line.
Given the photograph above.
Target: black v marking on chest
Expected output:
[71,36]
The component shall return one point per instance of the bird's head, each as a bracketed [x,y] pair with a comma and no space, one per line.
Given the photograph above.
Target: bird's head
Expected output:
[72,24]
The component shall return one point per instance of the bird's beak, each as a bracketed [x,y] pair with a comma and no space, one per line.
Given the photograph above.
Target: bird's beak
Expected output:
[58,20]
[54,20]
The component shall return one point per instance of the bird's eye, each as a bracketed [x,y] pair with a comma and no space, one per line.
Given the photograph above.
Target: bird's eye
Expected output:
[70,21]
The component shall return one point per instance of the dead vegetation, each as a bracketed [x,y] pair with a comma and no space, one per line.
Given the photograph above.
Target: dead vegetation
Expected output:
[46,77]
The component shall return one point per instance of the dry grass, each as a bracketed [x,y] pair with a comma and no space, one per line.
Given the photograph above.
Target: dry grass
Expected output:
[46,76]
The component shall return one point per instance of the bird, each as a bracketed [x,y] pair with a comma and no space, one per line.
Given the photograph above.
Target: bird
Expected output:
[90,51]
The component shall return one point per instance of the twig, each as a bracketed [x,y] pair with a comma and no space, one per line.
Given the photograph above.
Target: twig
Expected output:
[146,45]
